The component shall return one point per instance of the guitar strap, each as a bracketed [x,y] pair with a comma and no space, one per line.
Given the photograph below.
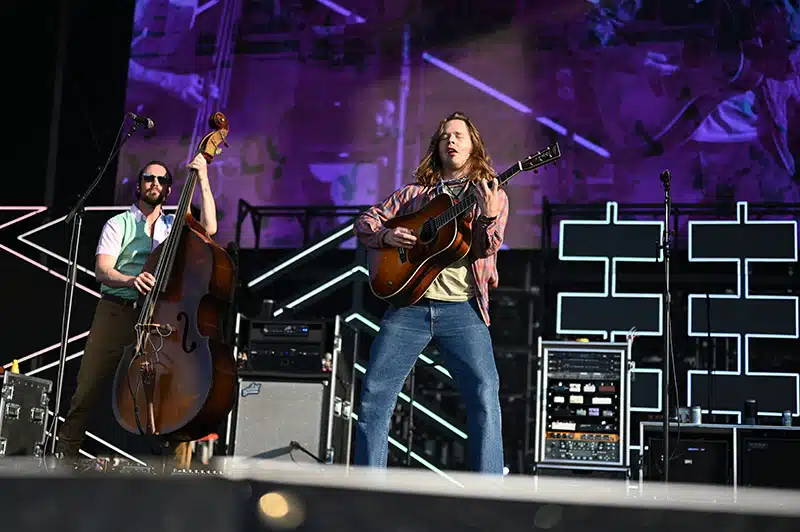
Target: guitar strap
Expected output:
[455,188]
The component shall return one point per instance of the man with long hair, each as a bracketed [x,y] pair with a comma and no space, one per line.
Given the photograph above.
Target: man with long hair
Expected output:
[126,242]
[454,312]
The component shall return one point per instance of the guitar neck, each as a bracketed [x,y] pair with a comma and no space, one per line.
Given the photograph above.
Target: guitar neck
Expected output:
[469,200]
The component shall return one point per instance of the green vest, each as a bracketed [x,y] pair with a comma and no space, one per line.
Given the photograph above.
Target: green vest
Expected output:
[136,246]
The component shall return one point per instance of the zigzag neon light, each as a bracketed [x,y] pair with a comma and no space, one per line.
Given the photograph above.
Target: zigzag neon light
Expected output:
[455,430]
[285,264]
[34,212]
[422,408]
[375,327]
[23,237]
[102,441]
[49,348]
[340,278]
[744,278]
[322,288]
[38,265]
[329,285]
[418,458]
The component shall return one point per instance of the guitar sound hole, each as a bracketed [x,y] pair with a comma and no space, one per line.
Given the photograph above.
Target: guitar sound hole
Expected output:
[426,233]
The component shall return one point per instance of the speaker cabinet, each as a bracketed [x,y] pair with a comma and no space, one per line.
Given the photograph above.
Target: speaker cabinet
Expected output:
[304,419]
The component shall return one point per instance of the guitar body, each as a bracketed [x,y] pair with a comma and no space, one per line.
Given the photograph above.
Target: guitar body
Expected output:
[401,276]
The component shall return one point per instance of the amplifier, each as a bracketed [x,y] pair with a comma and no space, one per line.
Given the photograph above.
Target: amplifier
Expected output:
[300,418]
[23,414]
[286,347]
[699,454]
[767,456]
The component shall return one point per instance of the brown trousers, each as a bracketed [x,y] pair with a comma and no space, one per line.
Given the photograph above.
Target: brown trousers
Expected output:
[112,330]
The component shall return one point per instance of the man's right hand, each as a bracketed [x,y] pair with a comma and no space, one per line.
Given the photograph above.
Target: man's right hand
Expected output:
[400,237]
[144,282]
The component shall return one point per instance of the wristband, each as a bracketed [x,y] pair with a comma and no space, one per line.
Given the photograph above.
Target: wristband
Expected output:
[486,219]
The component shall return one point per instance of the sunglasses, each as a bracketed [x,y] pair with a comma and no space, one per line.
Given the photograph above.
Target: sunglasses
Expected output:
[163,179]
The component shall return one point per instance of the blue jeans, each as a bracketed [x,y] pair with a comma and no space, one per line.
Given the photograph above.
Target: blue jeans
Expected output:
[464,341]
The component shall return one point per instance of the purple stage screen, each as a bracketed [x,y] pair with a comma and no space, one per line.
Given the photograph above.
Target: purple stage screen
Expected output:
[333,103]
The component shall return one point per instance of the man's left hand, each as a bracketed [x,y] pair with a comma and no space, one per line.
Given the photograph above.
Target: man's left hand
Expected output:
[199,163]
[489,199]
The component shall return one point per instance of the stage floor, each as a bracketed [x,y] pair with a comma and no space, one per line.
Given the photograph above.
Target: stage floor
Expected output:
[243,494]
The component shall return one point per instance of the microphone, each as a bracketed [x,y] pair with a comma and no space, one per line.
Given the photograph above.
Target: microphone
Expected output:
[142,121]
[665,177]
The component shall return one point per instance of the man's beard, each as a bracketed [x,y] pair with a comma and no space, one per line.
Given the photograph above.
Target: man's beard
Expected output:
[155,202]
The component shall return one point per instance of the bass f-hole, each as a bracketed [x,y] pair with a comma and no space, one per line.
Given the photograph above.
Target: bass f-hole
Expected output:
[182,316]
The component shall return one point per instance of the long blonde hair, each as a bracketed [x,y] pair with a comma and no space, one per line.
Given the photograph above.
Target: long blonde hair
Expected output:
[478,166]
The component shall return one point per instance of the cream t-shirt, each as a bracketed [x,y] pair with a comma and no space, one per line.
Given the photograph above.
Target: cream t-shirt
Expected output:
[456,282]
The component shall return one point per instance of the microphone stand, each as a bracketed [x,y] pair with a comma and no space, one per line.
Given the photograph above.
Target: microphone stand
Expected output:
[75,217]
[667,325]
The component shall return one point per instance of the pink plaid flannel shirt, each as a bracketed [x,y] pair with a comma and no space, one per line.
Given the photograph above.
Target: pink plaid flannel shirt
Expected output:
[486,237]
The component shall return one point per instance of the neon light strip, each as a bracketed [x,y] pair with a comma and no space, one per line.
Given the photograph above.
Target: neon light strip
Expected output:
[237,328]
[481,86]
[104,442]
[205,7]
[336,280]
[36,210]
[418,458]
[369,323]
[42,227]
[96,294]
[588,144]
[612,218]
[98,208]
[660,406]
[555,126]
[81,451]
[46,349]
[743,291]
[514,104]
[53,364]
[54,255]
[455,430]
[300,255]
[23,238]
[48,270]
[342,11]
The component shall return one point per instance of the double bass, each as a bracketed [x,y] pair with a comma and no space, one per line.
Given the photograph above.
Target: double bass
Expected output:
[178,379]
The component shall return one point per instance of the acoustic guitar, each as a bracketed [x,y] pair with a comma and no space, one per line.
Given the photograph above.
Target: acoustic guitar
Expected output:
[401,276]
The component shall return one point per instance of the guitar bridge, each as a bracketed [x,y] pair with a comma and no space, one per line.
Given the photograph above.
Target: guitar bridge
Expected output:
[402,252]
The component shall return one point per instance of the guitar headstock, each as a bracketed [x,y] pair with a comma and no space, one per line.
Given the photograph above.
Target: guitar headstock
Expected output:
[210,144]
[541,157]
